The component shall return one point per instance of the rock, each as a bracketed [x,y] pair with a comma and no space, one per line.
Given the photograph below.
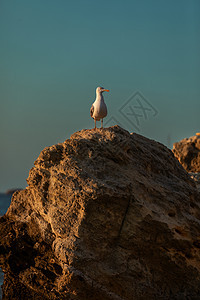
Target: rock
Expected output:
[196,177]
[12,191]
[187,151]
[106,215]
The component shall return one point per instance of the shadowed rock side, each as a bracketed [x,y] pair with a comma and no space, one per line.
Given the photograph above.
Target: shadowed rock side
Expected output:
[106,215]
[187,151]
[196,178]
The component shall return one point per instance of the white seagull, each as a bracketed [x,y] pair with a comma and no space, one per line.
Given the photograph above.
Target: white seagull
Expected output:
[98,111]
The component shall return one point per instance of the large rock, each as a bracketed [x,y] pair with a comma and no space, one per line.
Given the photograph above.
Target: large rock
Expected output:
[106,215]
[187,151]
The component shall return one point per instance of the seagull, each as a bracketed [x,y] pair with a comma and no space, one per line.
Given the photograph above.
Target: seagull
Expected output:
[98,111]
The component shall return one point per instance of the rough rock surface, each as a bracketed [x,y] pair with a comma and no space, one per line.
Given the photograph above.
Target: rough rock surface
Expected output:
[196,177]
[106,215]
[187,151]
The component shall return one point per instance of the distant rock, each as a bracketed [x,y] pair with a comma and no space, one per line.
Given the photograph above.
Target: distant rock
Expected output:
[187,151]
[106,215]
[12,191]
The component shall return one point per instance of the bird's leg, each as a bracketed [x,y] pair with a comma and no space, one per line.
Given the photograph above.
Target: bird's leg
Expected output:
[101,123]
[95,125]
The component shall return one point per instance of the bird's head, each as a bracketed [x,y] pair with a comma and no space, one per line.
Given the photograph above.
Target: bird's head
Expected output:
[100,90]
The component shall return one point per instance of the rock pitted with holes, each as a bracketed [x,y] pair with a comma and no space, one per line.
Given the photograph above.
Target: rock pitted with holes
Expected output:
[106,215]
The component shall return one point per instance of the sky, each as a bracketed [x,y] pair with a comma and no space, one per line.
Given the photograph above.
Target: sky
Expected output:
[54,54]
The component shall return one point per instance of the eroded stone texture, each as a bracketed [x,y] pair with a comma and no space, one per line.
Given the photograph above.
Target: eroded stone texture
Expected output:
[196,177]
[187,151]
[106,215]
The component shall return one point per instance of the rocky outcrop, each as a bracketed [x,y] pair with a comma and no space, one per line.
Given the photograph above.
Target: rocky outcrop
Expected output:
[187,151]
[106,215]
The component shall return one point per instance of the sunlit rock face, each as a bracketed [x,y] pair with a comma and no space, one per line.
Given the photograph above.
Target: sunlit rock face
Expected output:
[187,151]
[106,215]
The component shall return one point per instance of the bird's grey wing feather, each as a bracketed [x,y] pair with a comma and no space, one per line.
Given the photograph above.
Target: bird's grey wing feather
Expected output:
[91,110]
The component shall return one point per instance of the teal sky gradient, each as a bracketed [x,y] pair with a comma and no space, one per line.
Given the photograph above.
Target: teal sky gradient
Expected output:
[55,53]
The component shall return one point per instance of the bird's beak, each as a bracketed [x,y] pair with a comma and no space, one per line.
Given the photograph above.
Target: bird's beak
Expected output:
[106,90]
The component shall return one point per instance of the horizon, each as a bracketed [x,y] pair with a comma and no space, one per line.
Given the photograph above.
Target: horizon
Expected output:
[55,54]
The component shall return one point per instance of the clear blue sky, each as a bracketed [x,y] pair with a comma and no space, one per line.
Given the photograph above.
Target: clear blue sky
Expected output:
[55,53]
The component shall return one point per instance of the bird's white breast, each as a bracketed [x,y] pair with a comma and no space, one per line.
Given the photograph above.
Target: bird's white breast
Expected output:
[100,108]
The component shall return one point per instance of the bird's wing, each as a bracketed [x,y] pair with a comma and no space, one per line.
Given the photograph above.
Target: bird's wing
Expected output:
[92,110]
